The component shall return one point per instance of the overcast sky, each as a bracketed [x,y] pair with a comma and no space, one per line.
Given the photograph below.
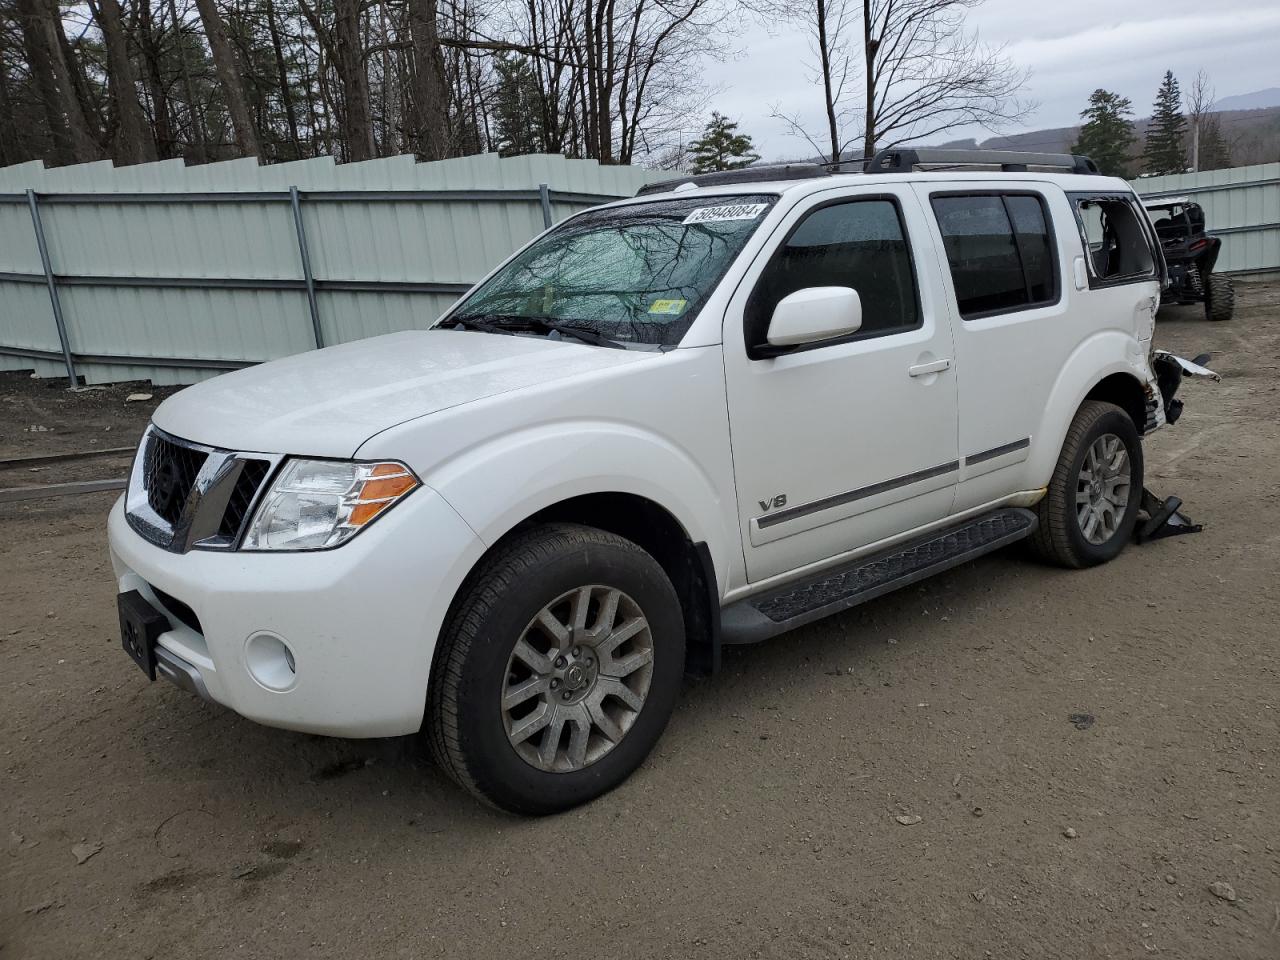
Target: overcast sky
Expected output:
[1072,49]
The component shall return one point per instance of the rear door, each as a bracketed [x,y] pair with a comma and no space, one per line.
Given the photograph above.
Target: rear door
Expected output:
[1013,324]
[1033,274]
[841,443]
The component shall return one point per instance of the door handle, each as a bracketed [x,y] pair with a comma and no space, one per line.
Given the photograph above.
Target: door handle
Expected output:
[924,369]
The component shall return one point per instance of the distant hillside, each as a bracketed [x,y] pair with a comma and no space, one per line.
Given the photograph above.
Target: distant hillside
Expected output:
[1258,100]
[1253,134]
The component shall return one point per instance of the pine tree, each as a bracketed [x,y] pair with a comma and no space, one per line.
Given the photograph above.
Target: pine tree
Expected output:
[1166,149]
[516,107]
[721,147]
[1107,134]
[1215,153]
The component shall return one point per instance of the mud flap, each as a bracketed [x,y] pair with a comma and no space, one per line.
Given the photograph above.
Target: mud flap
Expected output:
[1164,519]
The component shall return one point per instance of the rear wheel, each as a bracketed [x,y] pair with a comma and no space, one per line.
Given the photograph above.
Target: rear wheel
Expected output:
[1091,506]
[558,669]
[1219,297]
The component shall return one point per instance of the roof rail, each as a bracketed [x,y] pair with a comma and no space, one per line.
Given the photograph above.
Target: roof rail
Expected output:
[764,172]
[903,160]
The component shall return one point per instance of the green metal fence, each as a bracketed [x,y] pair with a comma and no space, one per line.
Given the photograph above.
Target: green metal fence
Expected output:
[173,273]
[1241,205]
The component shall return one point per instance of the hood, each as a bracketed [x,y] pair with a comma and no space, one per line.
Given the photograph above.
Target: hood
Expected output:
[328,402]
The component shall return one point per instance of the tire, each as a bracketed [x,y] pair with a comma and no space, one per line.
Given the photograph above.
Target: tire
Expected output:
[1061,537]
[549,570]
[1219,298]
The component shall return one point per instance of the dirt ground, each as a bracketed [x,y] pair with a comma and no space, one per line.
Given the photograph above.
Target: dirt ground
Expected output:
[765,823]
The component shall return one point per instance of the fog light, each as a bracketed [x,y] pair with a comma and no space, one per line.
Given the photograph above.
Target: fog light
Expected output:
[270,661]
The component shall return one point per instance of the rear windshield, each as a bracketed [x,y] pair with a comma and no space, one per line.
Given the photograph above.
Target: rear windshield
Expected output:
[637,274]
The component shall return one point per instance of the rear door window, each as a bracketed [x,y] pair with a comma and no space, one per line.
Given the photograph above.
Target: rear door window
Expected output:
[1000,251]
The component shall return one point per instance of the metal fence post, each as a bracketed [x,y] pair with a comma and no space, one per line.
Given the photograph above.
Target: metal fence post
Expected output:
[544,194]
[296,203]
[34,206]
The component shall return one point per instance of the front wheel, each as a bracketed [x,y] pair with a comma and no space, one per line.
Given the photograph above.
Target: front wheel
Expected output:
[558,669]
[1091,506]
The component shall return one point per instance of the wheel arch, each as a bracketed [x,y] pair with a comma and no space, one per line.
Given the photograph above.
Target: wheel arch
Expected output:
[1108,367]
[657,531]
[1125,390]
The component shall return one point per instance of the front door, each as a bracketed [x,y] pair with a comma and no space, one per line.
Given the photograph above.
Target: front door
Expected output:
[842,443]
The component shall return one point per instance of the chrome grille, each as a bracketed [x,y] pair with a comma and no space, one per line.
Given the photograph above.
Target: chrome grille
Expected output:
[171,471]
[184,495]
[243,495]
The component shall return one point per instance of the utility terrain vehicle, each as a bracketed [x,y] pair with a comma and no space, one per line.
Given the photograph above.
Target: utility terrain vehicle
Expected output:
[1190,255]
[703,416]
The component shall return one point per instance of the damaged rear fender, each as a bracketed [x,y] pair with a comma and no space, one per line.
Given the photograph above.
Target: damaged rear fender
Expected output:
[1109,356]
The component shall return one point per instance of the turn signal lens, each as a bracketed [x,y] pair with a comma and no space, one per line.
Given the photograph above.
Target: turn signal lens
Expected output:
[314,504]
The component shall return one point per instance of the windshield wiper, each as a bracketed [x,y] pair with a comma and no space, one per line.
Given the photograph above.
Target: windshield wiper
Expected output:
[471,323]
[505,323]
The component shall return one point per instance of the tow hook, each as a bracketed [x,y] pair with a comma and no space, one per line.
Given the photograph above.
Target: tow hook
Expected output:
[1164,519]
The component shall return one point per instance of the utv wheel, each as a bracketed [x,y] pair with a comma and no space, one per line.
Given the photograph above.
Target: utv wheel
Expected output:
[558,668]
[1091,507]
[1219,297]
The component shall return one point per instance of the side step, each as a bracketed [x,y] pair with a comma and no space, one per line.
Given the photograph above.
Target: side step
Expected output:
[832,591]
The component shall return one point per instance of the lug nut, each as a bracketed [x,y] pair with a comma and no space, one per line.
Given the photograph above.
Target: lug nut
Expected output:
[559,663]
[566,695]
[577,651]
[555,684]
[589,661]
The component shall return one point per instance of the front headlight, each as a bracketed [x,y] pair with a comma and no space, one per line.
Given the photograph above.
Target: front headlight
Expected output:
[314,504]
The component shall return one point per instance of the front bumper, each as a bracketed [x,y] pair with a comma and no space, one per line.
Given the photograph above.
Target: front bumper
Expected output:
[360,621]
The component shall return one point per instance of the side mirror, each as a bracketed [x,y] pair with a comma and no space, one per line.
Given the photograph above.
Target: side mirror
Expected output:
[815,313]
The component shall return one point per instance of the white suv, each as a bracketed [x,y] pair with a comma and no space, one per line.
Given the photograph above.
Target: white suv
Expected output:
[706,415]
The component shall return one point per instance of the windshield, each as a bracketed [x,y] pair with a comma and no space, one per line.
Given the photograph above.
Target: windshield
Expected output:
[637,275]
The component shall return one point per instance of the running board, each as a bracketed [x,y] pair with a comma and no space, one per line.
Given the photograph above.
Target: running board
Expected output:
[833,591]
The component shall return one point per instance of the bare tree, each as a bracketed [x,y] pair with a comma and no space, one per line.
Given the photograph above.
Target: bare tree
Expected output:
[282,74]
[134,141]
[430,86]
[10,152]
[1198,101]
[831,24]
[74,141]
[922,71]
[616,80]
[229,77]
[926,73]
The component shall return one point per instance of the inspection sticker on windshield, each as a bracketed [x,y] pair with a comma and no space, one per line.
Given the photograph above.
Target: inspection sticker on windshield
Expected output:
[733,211]
[673,307]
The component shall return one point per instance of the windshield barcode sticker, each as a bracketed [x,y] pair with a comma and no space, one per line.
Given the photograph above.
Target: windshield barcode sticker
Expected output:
[736,211]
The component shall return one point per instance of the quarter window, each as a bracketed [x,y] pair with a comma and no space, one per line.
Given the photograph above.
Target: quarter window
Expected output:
[859,244]
[1000,252]
[1118,246]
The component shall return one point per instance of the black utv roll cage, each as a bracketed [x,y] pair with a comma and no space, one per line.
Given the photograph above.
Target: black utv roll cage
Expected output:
[894,160]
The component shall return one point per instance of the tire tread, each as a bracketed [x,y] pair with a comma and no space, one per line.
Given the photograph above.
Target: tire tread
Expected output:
[1051,541]
[485,589]
[1220,304]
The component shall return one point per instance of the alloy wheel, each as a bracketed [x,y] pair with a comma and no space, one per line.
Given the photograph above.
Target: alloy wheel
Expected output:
[577,678]
[1103,489]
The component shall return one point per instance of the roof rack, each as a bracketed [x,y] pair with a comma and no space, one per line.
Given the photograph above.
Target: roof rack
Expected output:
[900,160]
[765,173]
